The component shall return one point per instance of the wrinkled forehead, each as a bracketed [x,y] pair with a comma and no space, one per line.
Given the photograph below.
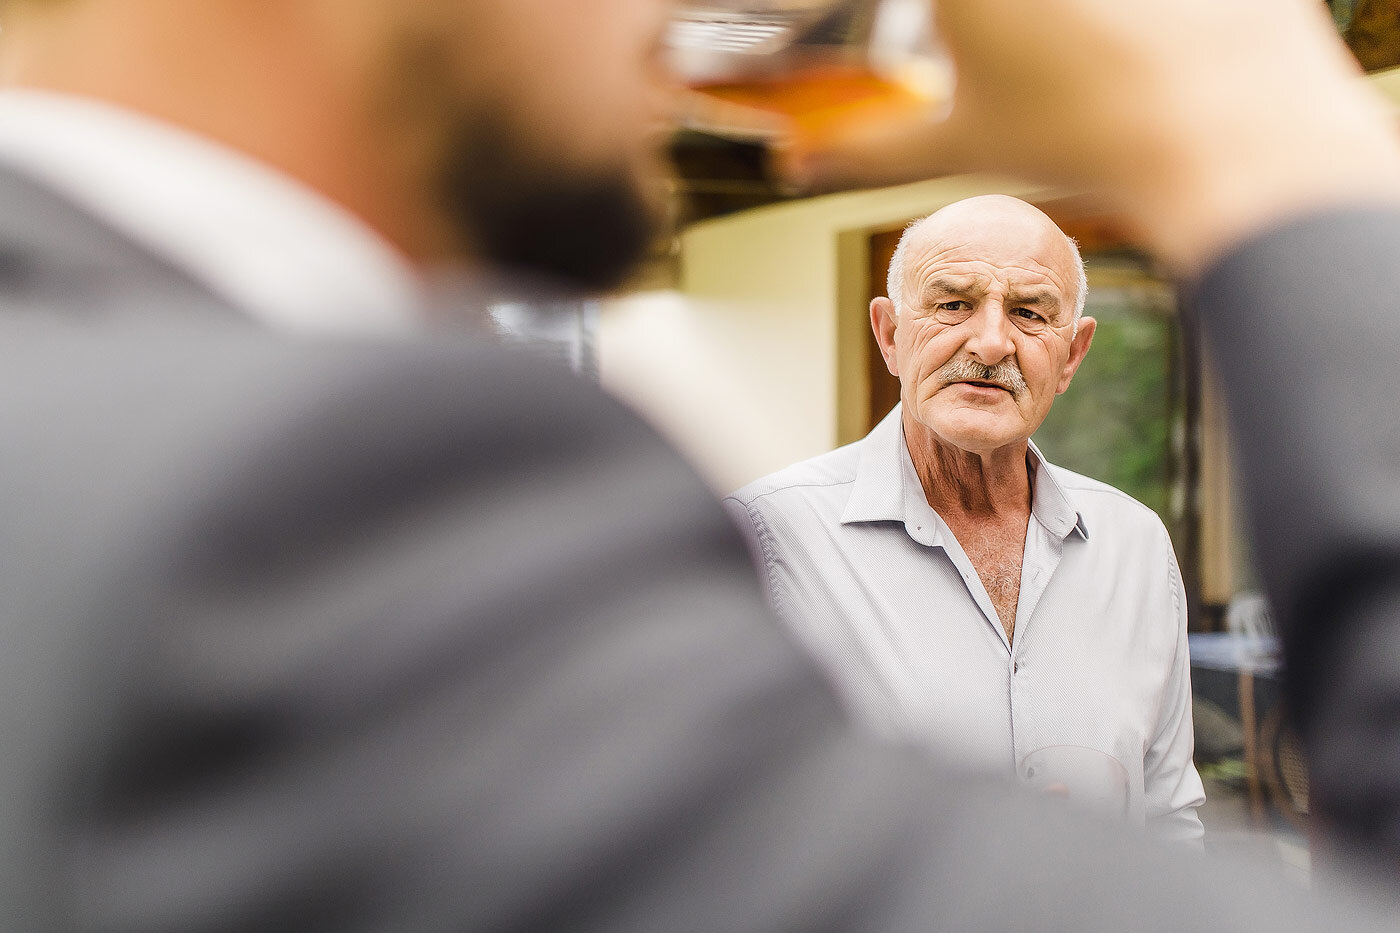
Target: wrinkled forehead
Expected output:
[1012,248]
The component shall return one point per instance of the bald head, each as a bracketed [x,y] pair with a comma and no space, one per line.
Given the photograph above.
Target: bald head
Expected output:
[992,218]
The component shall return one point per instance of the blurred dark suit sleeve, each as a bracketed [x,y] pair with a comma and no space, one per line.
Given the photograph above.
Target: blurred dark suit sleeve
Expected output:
[1303,325]
[390,635]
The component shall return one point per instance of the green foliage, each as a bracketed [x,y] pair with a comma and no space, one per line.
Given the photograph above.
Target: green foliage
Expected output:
[1227,770]
[1343,12]
[1116,422]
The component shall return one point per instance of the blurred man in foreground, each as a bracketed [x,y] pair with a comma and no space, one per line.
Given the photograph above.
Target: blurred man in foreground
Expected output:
[368,634]
[964,593]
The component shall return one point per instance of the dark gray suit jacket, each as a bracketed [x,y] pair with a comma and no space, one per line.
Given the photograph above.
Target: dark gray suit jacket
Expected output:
[1304,326]
[353,635]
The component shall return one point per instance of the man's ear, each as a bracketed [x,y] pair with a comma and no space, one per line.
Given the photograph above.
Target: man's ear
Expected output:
[883,321]
[1077,348]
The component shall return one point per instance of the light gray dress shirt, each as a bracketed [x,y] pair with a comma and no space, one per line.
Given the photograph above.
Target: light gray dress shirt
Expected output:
[870,577]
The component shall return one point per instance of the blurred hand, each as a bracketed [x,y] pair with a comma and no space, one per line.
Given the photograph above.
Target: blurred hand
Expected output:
[1202,121]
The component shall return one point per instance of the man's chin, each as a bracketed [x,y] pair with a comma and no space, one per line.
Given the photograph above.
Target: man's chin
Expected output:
[523,210]
[588,233]
[975,430]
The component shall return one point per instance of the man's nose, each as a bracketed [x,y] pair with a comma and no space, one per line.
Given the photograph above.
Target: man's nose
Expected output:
[990,340]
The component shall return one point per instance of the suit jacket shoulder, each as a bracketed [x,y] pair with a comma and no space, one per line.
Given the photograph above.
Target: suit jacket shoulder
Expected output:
[331,583]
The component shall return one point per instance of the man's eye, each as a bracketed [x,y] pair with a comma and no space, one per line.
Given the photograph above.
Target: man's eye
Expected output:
[1028,314]
[954,306]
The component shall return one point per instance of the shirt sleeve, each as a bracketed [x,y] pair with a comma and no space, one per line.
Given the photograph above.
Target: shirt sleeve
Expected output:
[740,515]
[1172,787]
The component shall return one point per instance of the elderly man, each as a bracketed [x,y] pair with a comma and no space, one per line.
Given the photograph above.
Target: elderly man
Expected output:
[961,589]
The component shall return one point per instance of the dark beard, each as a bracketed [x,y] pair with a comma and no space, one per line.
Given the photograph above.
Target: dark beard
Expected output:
[522,211]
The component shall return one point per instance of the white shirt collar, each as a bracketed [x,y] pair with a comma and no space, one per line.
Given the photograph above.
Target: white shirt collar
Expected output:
[876,497]
[262,241]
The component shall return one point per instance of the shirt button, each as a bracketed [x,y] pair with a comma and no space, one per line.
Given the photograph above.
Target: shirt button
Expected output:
[1016,667]
[1030,772]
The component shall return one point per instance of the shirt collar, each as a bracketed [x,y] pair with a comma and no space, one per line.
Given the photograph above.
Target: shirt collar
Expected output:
[264,242]
[887,489]
[1050,503]
[883,475]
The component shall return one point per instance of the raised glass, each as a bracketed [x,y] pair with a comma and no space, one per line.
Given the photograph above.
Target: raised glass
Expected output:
[1087,777]
[769,68]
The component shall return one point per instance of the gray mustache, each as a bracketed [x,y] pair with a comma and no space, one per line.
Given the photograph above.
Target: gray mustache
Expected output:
[1005,374]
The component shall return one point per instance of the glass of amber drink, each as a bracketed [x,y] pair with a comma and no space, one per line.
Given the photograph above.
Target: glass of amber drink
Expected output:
[1086,777]
[806,69]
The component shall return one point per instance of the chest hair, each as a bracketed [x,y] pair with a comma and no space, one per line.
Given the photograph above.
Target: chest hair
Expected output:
[996,552]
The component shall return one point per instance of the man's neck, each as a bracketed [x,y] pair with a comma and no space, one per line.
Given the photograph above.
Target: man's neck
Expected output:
[993,485]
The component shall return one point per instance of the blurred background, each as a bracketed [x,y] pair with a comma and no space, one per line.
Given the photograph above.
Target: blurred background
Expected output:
[746,341]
